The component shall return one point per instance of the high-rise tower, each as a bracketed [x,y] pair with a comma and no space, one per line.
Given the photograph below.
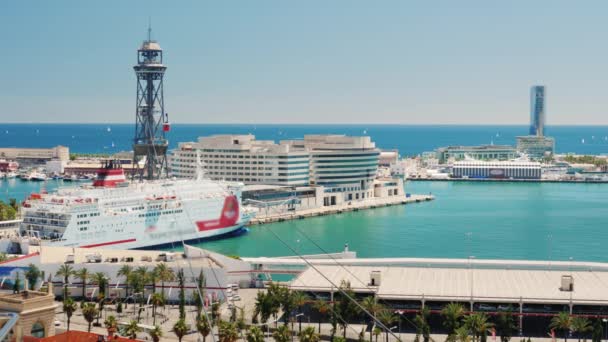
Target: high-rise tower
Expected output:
[537,110]
[151,121]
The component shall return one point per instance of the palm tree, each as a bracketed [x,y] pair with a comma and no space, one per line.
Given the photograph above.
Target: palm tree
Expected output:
[180,329]
[203,326]
[131,330]
[596,334]
[462,334]
[228,332]
[422,326]
[372,306]
[505,326]
[156,333]
[580,325]
[83,274]
[254,334]
[377,332]
[309,335]
[69,307]
[65,271]
[299,300]
[563,321]
[89,311]
[322,308]
[387,318]
[111,324]
[32,275]
[478,325]
[157,300]
[100,279]
[164,273]
[125,271]
[263,306]
[452,318]
[282,334]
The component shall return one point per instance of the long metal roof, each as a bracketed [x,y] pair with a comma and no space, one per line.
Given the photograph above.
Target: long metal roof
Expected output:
[496,285]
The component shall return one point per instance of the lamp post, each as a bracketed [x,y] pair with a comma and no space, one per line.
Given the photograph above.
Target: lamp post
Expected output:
[390,330]
[606,325]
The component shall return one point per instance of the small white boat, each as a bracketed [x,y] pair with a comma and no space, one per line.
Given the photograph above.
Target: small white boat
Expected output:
[37,176]
[11,175]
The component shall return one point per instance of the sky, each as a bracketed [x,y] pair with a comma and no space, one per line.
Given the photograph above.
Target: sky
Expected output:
[341,61]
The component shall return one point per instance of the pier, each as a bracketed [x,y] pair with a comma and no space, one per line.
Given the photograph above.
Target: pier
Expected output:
[372,203]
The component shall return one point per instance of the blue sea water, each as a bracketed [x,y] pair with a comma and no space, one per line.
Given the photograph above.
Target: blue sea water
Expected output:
[408,139]
[488,220]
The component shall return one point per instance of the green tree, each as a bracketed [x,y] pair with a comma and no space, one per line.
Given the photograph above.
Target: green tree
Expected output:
[156,333]
[215,313]
[180,329]
[452,319]
[346,307]
[422,326]
[309,335]
[65,271]
[111,325]
[164,274]
[157,300]
[254,334]
[13,203]
[322,308]
[69,307]
[377,332]
[505,326]
[89,311]
[262,306]
[463,334]
[203,326]
[282,334]
[17,283]
[596,334]
[198,295]
[372,306]
[182,294]
[100,279]
[563,322]
[478,325]
[119,308]
[83,274]
[125,271]
[387,318]
[131,330]
[32,275]
[299,299]
[7,212]
[228,331]
[581,326]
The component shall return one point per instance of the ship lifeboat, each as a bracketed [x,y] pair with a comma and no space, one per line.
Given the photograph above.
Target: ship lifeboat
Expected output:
[166,127]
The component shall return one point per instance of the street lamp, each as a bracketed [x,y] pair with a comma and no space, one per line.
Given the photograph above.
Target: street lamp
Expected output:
[606,325]
[299,321]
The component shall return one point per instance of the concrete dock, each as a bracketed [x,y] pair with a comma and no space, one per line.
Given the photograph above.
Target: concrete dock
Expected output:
[262,218]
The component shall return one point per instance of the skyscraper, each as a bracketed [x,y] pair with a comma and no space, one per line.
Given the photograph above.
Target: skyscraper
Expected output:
[537,110]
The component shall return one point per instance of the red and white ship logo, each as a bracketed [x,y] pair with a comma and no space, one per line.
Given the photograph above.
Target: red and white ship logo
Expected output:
[228,217]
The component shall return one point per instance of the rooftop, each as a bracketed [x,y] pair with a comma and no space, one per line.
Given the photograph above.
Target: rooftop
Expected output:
[463,284]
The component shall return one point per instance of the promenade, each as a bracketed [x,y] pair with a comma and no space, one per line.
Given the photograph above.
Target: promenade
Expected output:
[371,203]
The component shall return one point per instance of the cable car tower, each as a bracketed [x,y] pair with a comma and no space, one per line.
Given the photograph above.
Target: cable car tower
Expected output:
[151,121]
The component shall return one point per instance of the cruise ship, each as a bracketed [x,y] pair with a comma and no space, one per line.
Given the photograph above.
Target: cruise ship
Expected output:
[115,213]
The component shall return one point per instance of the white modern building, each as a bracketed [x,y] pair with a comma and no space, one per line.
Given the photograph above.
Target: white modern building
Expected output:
[242,158]
[511,169]
[343,165]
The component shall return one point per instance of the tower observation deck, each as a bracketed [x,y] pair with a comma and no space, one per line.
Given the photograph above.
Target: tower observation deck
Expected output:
[151,120]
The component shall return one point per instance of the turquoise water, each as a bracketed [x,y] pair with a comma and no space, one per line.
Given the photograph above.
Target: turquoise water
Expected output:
[505,220]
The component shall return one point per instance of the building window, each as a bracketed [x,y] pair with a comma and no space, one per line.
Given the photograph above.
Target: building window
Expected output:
[37,330]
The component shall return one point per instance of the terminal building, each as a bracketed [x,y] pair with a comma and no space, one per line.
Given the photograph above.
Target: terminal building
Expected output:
[512,169]
[242,158]
[482,152]
[344,167]
[35,155]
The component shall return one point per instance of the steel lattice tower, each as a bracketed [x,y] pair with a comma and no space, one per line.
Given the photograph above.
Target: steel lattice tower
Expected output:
[151,121]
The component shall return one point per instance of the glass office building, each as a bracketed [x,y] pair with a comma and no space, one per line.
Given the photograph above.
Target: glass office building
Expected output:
[537,110]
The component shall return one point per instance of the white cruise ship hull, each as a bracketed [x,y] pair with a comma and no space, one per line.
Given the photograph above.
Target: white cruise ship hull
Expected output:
[135,216]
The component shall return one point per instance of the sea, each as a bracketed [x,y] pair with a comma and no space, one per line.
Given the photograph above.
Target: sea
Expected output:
[530,221]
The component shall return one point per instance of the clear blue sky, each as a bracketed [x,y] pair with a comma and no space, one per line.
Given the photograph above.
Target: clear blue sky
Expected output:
[308,61]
